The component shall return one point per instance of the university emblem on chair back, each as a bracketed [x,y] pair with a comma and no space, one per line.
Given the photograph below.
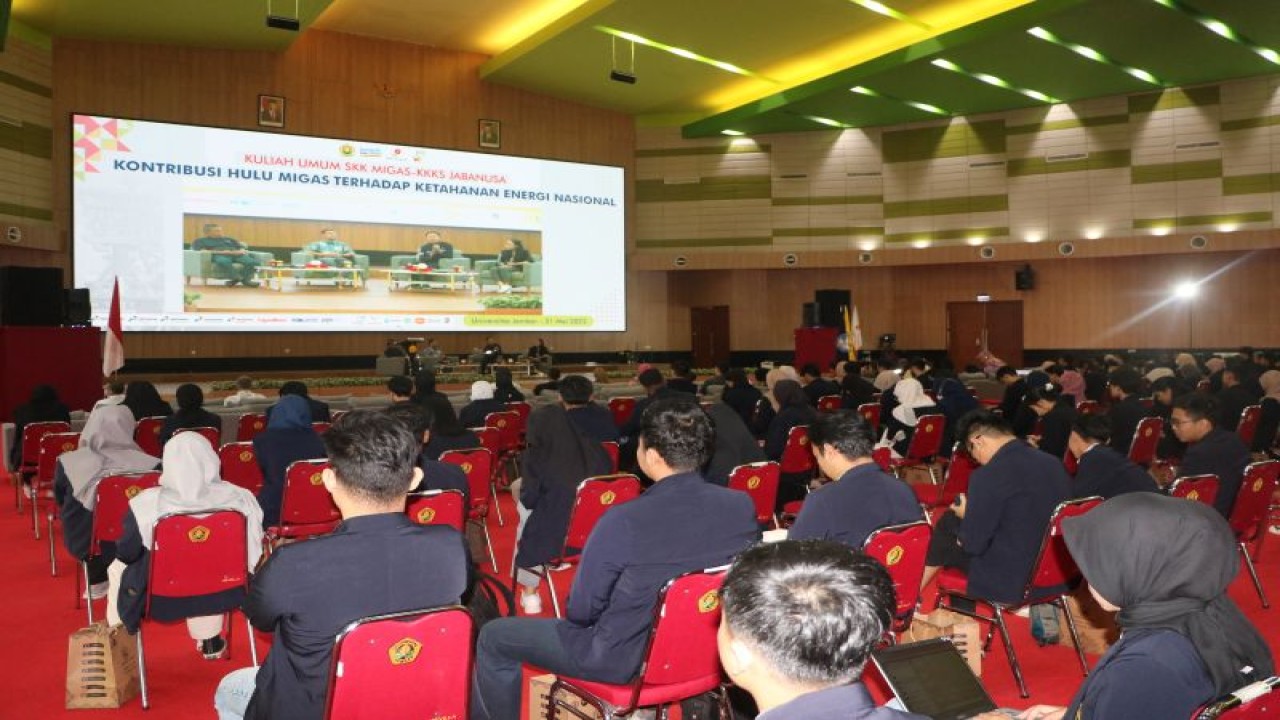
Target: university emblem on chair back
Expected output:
[1201,488]
[240,466]
[926,441]
[414,664]
[249,425]
[213,435]
[52,445]
[871,413]
[490,439]
[508,425]
[596,496]
[828,403]
[1256,701]
[306,508]
[622,408]
[1054,564]
[1249,514]
[1248,425]
[901,549]
[611,449]
[147,434]
[114,493]
[478,466]
[796,455]
[1146,438]
[196,554]
[760,481]
[437,507]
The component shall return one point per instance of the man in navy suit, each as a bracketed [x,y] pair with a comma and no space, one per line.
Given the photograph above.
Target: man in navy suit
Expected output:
[1210,449]
[1101,470]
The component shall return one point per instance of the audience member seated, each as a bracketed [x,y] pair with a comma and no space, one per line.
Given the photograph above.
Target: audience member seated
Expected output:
[655,388]
[887,376]
[287,438]
[446,432]
[1184,642]
[855,390]
[717,380]
[190,483]
[1269,417]
[994,531]
[1015,392]
[319,410]
[244,393]
[912,404]
[539,355]
[436,475]
[816,386]
[1100,470]
[106,448]
[1187,368]
[1163,392]
[679,524]
[551,385]
[42,406]
[1126,409]
[955,401]
[1234,396]
[1056,411]
[768,408]
[791,408]
[424,387]
[592,420]
[682,378]
[143,400]
[558,458]
[112,394]
[800,620]
[921,370]
[377,561]
[1210,449]
[482,403]
[740,395]
[505,390]
[734,444]
[400,387]
[190,414]
[861,497]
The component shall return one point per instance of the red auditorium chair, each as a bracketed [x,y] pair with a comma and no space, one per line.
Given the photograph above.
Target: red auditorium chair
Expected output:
[1256,701]
[1247,428]
[113,495]
[1249,515]
[1201,488]
[797,458]
[213,435]
[902,549]
[829,403]
[621,408]
[955,480]
[1146,438]
[478,466]
[31,435]
[240,466]
[147,434]
[437,507]
[760,481]
[249,425]
[611,448]
[306,507]
[926,443]
[51,445]
[871,413]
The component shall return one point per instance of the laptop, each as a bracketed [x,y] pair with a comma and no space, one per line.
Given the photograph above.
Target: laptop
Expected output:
[931,678]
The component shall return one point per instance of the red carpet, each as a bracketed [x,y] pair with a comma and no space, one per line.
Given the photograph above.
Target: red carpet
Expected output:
[40,616]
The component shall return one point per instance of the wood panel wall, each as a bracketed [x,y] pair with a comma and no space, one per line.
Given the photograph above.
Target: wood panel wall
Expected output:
[362,237]
[340,86]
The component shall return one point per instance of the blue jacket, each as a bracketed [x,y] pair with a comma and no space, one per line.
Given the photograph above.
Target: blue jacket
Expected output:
[842,702]
[1221,453]
[1105,472]
[1147,674]
[848,510]
[679,524]
[595,422]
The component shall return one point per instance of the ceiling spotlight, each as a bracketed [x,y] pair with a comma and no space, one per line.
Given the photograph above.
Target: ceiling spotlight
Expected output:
[283,22]
[620,74]
[1186,290]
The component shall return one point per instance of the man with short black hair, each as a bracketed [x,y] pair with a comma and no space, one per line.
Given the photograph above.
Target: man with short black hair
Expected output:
[434,249]
[551,385]
[682,378]
[799,622]
[1210,449]
[377,561]
[816,386]
[1101,470]
[436,475]
[1015,392]
[1234,396]
[862,497]
[231,254]
[681,523]
[1127,409]
[592,420]
[319,410]
[400,387]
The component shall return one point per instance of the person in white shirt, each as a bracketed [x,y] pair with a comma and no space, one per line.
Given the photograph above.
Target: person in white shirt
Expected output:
[244,393]
[113,394]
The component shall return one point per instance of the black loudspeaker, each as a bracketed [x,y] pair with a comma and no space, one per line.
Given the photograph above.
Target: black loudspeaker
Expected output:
[809,315]
[30,296]
[77,307]
[831,304]
[1024,278]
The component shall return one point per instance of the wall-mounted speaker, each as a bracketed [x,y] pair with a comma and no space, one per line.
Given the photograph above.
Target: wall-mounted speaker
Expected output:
[866,258]
[1199,242]
[790,259]
[78,309]
[680,261]
[1024,278]
[30,296]
[1066,249]
[986,252]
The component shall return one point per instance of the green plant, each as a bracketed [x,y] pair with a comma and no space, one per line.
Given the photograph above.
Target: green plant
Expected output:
[513,302]
[190,298]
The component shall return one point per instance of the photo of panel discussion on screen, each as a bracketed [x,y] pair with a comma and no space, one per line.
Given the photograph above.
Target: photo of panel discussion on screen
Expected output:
[233,264]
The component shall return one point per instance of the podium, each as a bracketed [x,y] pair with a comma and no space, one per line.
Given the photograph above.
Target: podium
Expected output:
[69,359]
[815,345]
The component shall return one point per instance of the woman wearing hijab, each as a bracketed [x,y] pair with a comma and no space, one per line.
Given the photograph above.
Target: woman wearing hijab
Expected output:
[557,460]
[769,407]
[446,432]
[142,398]
[190,483]
[955,401]
[43,406]
[912,404]
[288,438]
[791,408]
[190,414]
[1073,385]
[1056,412]
[1164,563]
[1269,418]
[482,403]
[106,448]
[734,444]
[505,389]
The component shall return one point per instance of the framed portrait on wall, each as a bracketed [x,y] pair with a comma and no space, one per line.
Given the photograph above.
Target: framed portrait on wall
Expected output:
[490,134]
[271,111]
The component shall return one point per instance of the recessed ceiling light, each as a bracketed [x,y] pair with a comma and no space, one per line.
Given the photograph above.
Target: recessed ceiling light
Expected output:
[828,121]
[1161,230]
[1094,55]
[921,243]
[679,52]
[867,245]
[1093,234]
[881,9]
[974,241]
[992,80]
[733,133]
[1034,237]
[933,109]
[1220,28]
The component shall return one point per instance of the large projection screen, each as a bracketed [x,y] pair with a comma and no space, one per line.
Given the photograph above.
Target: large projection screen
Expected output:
[209,229]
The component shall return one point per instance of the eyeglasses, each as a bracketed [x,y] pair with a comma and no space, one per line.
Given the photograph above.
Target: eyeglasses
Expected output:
[968,442]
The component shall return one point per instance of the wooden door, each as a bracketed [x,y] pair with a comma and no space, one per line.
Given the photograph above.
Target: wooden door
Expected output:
[972,326]
[710,330]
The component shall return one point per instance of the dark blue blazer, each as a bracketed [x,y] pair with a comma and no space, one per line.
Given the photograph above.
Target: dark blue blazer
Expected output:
[276,449]
[1010,501]
[594,421]
[679,524]
[775,438]
[440,443]
[1147,674]
[842,702]
[1105,472]
[182,420]
[1125,416]
[1220,453]
[846,511]
[443,476]
[743,399]
[308,591]
[474,413]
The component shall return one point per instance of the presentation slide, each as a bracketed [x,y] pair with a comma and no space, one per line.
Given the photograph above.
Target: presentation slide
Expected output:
[209,229]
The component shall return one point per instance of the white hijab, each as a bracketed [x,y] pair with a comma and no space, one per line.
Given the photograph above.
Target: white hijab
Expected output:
[106,447]
[190,482]
[910,395]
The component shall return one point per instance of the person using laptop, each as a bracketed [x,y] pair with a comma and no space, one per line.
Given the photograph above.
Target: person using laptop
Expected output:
[800,619]
[1184,642]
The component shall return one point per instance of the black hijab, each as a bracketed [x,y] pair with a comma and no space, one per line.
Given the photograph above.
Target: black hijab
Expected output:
[44,404]
[1167,562]
[142,398]
[788,393]
[558,453]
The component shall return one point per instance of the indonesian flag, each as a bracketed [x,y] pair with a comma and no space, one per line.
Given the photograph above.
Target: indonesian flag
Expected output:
[113,349]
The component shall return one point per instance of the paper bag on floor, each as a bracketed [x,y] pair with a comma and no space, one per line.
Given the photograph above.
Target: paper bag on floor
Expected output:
[1097,627]
[963,631]
[102,667]
[539,709]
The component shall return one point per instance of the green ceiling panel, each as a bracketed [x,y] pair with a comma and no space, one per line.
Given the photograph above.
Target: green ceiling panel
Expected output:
[1250,123]
[1186,221]
[25,211]
[25,85]
[957,139]
[728,149]
[704,242]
